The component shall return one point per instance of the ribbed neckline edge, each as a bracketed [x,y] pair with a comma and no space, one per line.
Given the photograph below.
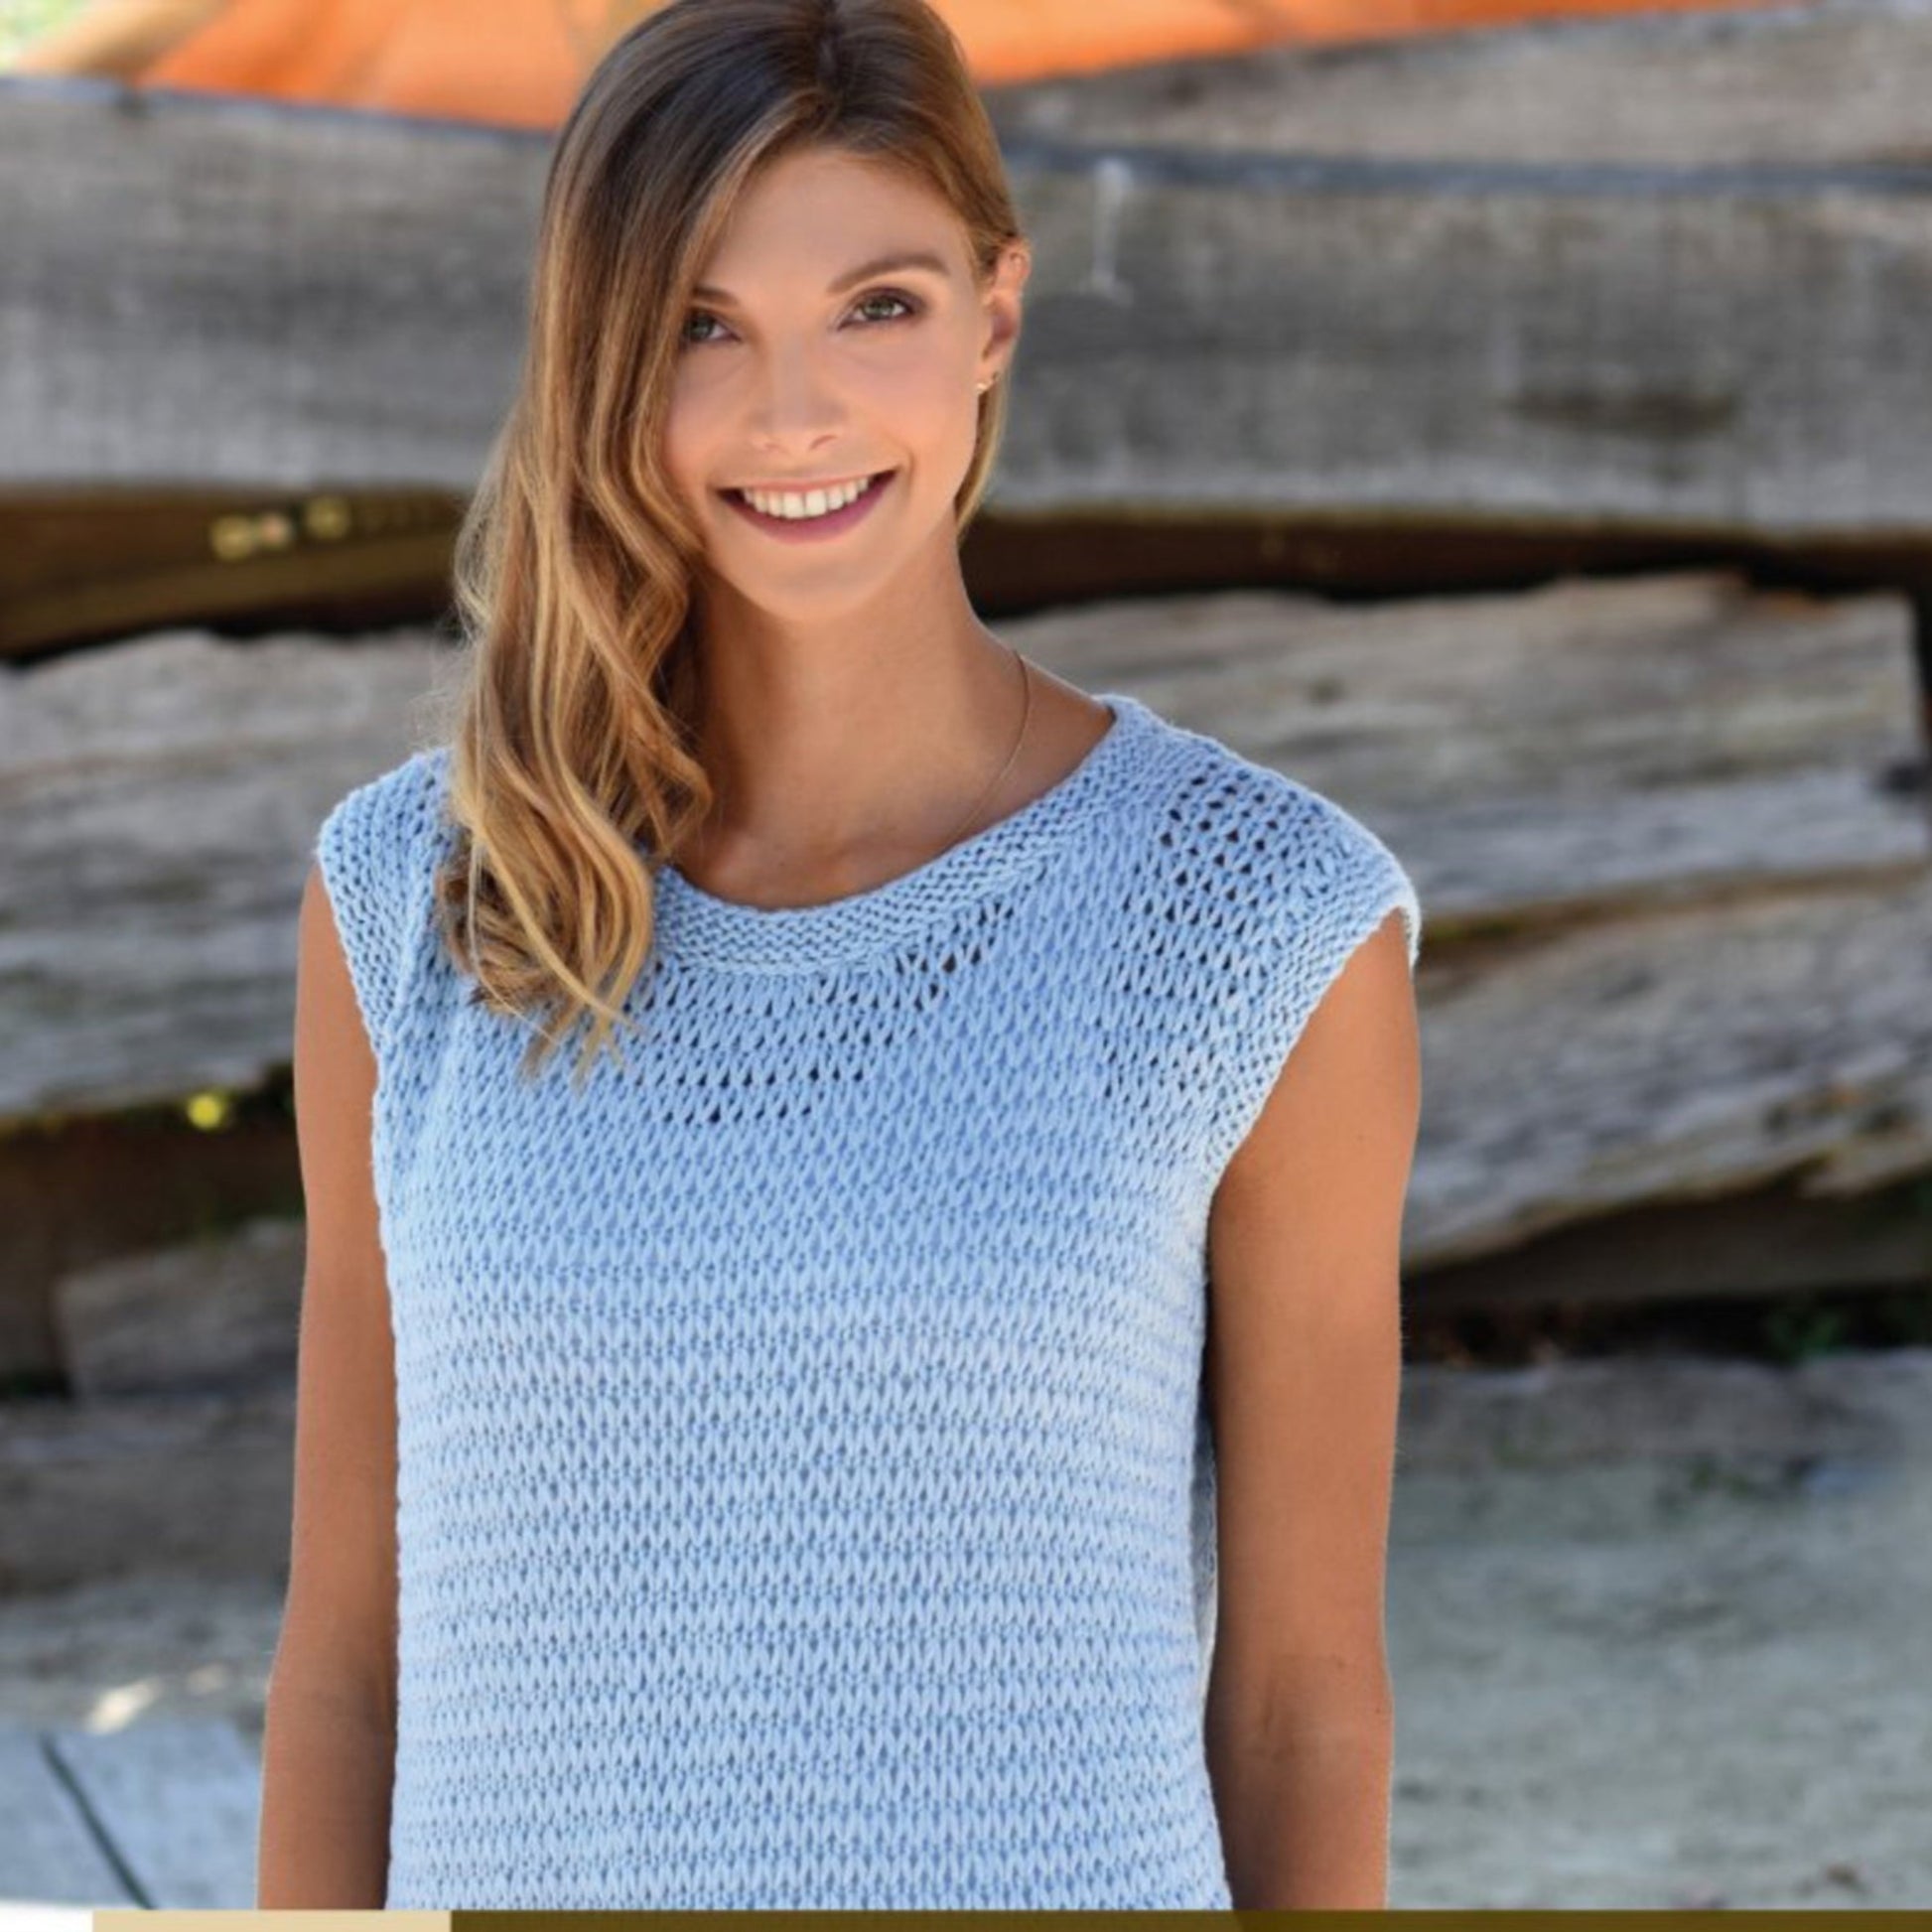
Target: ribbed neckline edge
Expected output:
[697,925]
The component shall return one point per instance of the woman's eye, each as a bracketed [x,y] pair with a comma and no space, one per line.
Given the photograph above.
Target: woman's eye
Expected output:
[908,304]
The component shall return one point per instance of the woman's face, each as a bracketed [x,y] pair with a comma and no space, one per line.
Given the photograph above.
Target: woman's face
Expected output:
[792,374]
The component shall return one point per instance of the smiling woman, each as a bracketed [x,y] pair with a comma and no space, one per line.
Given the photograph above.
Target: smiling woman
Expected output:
[908,353]
[830,413]
[778,1469]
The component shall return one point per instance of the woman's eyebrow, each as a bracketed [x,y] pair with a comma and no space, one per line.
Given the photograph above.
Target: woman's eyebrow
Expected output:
[885,265]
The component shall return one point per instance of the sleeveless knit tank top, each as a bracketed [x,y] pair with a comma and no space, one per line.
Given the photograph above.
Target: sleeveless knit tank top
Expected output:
[805,1482]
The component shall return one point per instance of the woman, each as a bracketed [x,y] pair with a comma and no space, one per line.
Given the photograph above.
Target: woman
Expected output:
[785,1461]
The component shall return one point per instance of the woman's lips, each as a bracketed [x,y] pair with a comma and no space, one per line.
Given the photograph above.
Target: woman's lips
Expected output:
[810,529]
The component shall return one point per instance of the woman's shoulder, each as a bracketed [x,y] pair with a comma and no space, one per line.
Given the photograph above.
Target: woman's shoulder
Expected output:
[1256,849]
[376,850]
[399,806]
[1260,888]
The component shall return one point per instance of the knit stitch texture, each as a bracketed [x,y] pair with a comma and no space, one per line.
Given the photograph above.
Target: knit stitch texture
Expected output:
[805,1485]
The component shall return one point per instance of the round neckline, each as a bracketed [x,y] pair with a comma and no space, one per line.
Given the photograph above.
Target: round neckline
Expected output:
[695,924]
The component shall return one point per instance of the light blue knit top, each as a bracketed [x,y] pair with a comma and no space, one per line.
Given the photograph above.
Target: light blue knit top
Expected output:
[807,1493]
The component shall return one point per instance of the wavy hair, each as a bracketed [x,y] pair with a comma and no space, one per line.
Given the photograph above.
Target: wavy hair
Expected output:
[573,772]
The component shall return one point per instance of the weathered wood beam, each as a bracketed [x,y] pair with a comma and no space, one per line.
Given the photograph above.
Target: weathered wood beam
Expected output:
[1818,84]
[1676,915]
[54,1852]
[180,1801]
[1592,744]
[247,292]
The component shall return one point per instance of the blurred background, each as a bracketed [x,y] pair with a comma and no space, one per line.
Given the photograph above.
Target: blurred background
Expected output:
[1509,417]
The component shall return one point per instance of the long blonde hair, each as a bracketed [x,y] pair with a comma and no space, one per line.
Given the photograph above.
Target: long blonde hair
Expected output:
[572,767]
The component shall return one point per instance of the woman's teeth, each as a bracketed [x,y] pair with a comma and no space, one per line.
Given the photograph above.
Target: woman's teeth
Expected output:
[815,503]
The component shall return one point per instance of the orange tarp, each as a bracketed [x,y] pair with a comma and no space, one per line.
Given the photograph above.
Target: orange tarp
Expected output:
[519,62]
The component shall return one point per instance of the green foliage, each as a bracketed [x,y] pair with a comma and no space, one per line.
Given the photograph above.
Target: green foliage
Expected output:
[1802,1327]
[21,20]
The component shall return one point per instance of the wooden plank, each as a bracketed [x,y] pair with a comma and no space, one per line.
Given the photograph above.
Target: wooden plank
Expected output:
[53,1854]
[254,293]
[1615,351]
[1580,750]
[1660,830]
[180,1799]
[102,565]
[220,1311]
[1591,744]
[1782,1237]
[1675,1057]
[1870,1407]
[100,1489]
[1822,84]
[162,800]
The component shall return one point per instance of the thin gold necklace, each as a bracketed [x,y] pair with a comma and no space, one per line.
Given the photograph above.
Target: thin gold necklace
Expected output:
[1027,711]
[1025,717]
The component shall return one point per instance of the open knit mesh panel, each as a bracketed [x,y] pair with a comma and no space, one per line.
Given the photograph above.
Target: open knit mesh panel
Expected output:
[805,1490]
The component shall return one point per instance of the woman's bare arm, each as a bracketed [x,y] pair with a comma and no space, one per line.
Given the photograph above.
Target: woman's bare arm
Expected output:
[1303,1367]
[328,1752]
